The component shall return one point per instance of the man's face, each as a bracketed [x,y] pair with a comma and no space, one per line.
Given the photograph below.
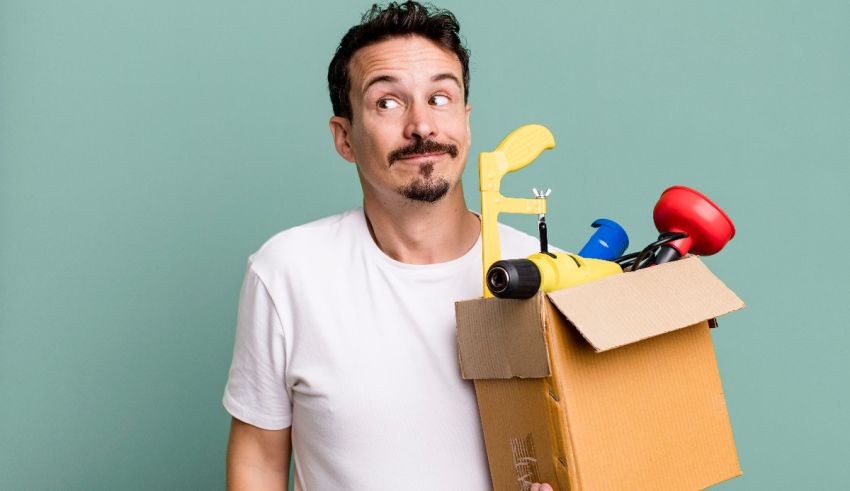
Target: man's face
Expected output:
[409,133]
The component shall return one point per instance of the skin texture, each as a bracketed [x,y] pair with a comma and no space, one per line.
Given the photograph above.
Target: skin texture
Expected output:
[409,139]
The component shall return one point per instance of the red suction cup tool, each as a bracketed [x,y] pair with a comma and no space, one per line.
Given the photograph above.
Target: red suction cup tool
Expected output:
[682,209]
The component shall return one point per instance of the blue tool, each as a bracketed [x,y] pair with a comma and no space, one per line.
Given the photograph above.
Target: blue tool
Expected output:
[608,242]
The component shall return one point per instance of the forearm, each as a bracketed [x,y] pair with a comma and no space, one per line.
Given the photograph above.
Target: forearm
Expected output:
[257,459]
[247,476]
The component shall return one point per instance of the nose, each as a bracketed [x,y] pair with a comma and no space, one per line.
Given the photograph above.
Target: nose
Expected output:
[420,122]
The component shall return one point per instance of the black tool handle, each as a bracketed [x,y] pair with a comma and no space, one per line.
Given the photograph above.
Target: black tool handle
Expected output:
[544,236]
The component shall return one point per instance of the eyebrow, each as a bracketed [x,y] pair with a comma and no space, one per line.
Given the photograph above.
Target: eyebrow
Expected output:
[447,76]
[391,79]
[379,78]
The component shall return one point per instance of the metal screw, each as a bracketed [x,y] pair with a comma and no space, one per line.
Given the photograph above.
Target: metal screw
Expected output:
[538,194]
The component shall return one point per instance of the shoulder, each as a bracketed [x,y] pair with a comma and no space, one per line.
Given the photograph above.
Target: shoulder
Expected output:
[320,238]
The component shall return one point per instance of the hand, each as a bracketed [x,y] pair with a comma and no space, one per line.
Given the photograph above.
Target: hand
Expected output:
[541,487]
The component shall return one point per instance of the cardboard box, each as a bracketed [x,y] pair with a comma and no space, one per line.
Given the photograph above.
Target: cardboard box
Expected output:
[611,385]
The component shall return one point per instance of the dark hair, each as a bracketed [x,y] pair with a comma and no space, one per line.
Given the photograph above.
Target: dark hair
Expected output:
[380,24]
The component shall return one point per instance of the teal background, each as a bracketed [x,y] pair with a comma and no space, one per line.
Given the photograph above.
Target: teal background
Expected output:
[147,148]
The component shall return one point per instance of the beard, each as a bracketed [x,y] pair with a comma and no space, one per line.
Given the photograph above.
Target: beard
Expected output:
[425,188]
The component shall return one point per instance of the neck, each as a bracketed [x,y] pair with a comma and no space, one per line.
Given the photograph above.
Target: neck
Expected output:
[422,233]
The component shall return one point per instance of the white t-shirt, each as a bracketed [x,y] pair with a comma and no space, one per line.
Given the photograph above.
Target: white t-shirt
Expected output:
[357,352]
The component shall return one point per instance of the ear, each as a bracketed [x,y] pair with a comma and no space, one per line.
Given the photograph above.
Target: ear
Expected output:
[340,129]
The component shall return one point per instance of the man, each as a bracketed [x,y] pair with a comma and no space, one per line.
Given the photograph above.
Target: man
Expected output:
[345,346]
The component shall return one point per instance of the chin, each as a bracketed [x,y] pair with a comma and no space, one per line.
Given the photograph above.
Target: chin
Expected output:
[426,191]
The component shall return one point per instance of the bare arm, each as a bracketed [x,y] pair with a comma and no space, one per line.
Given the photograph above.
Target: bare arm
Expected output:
[257,459]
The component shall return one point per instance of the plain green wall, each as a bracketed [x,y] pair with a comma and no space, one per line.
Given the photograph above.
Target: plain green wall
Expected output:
[147,148]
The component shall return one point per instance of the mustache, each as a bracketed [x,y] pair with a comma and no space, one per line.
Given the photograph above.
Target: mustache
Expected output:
[422,146]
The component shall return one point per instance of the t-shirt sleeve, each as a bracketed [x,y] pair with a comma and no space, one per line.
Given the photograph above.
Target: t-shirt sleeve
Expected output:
[256,389]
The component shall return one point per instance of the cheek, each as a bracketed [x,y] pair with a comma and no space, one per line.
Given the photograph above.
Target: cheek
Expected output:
[376,149]
[463,137]
[367,145]
[457,127]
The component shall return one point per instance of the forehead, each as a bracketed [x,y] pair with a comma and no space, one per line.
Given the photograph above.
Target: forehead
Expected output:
[410,57]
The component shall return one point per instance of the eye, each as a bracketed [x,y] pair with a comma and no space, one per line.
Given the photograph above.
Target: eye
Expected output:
[438,100]
[387,104]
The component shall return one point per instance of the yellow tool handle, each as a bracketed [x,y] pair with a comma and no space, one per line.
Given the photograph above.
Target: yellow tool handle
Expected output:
[515,151]
[525,144]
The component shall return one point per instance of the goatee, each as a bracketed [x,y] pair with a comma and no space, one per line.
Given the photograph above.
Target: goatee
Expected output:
[425,188]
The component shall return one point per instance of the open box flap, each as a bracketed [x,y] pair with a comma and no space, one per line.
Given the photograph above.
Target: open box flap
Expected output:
[500,339]
[626,308]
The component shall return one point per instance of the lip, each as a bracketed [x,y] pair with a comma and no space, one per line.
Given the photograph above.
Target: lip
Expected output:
[422,156]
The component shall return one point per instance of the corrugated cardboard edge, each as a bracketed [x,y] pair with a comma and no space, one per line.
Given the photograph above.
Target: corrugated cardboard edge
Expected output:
[626,308]
[499,338]
[567,471]
[524,423]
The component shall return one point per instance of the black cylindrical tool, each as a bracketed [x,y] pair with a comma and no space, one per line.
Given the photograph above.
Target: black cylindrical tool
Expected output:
[513,278]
